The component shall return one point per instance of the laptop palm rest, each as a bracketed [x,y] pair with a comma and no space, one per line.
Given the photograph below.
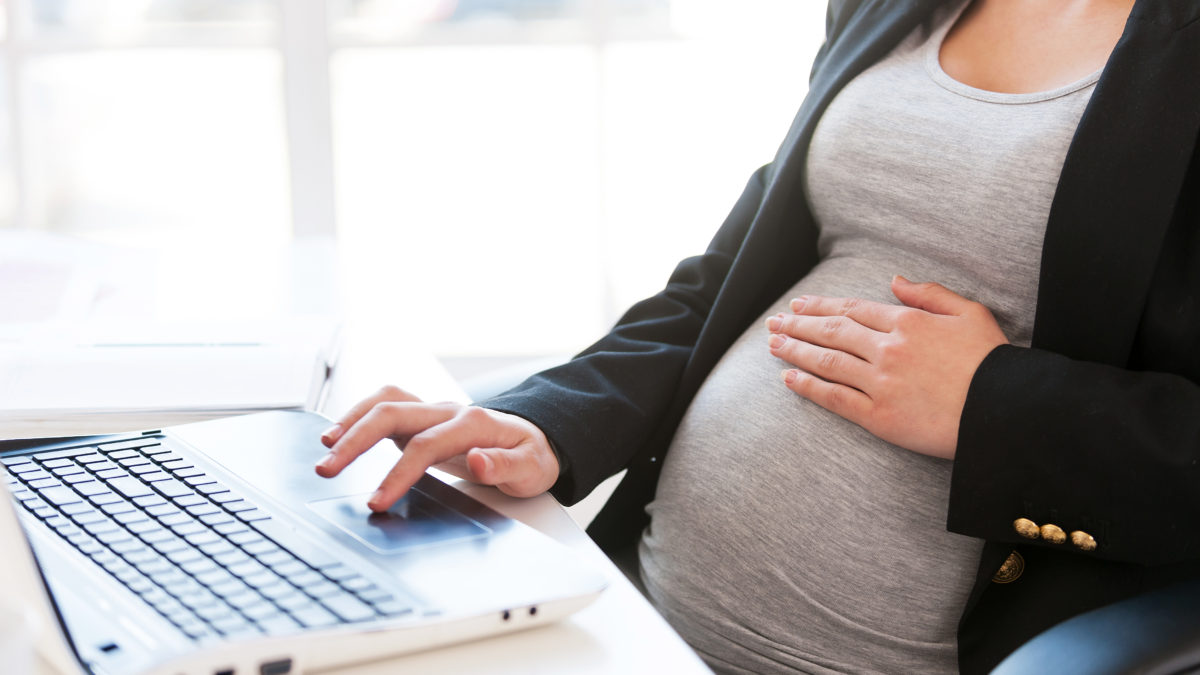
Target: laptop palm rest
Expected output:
[416,521]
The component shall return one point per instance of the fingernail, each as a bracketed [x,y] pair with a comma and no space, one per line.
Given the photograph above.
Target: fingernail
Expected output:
[790,376]
[776,341]
[774,323]
[332,434]
[326,461]
[901,279]
[488,464]
[799,303]
[376,501]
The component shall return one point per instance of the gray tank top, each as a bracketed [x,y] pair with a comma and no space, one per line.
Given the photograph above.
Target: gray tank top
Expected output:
[783,537]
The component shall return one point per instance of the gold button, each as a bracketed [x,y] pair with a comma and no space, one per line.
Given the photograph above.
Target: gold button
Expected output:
[1011,570]
[1083,541]
[1026,528]
[1053,533]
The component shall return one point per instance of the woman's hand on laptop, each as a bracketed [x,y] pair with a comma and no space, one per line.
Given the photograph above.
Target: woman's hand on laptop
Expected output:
[477,444]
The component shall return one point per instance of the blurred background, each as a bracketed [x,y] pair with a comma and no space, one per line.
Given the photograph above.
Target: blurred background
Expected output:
[503,177]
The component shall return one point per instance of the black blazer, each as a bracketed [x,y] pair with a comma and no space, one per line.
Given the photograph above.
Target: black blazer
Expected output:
[1095,427]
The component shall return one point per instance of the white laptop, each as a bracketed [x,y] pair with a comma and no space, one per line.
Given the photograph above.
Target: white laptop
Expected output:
[214,548]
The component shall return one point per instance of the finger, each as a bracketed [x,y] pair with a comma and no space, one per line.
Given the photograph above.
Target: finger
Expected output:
[387,393]
[843,401]
[472,428]
[873,315]
[837,332]
[828,364]
[518,472]
[384,420]
[931,297]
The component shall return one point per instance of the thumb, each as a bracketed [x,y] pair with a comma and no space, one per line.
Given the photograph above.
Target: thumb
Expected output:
[490,465]
[931,297]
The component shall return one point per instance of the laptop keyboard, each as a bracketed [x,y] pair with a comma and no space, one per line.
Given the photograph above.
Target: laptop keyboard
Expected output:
[205,557]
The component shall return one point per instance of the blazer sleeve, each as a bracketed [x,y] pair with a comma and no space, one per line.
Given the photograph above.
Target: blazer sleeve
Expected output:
[1088,447]
[603,405]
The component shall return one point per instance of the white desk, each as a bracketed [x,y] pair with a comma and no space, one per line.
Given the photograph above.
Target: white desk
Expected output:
[619,633]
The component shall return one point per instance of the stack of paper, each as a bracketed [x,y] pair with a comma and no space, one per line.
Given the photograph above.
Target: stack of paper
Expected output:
[110,386]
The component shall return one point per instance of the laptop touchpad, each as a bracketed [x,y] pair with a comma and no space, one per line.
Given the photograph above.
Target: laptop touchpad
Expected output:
[415,521]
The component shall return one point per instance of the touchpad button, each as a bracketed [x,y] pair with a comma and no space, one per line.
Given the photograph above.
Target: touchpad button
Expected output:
[415,521]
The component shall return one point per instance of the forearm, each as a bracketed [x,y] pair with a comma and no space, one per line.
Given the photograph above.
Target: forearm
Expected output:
[1084,446]
[602,406]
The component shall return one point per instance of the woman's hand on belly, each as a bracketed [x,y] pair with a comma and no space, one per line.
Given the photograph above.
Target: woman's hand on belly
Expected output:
[900,372]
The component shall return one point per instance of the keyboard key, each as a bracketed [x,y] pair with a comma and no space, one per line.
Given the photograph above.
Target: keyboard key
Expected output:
[217,576]
[106,498]
[187,555]
[247,598]
[16,461]
[262,579]
[276,557]
[155,476]
[200,538]
[199,479]
[218,548]
[260,611]
[375,596]
[238,505]
[276,590]
[60,495]
[144,470]
[66,468]
[56,463]
[36,474]
[189,499]
[314,617]
[187,472]
[176,519]
[312,554]
[246,537]
[112,474]
[129,462]
[90,458]
[348,607]
[279,624]
[118,507]
[172,488]
[161,511]
[121,454]
[44,483]
[225,497]
[293,601]
[175,465]
[128,517]
[252,515]
[141,527]
[91,488]
[393,608]
[123,445]
[229,588]
[217,519]
[77,478]
[188,529]
[230,526]
[203,509]
[323,589]
[211,489]
[130,487]
[154,450]
[149,500]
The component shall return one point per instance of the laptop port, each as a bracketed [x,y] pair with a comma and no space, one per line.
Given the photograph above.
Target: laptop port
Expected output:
[227,671]
[506,615]
[279,667]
